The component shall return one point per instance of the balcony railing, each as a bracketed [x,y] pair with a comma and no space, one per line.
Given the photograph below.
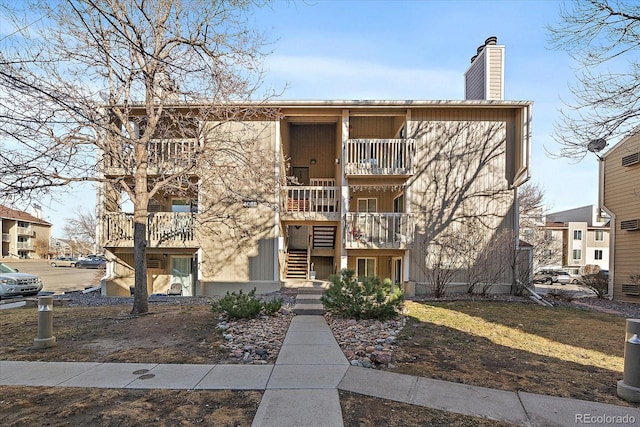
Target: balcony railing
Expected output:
[378,230]
[163,229]
[309,201]
[6,237]
[162,154]
[26,231]
[379,157]
[25,246]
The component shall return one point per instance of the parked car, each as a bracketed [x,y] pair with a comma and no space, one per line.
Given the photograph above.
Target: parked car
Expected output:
[576,279]
[14,284]
[543,276]
[96,262]
[62,261]
[562,277]
[552,276]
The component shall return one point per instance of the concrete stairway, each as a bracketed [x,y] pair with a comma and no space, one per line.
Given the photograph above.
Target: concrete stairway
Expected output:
[308,301]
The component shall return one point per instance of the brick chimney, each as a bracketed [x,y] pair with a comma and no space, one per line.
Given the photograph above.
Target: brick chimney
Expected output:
[484,78]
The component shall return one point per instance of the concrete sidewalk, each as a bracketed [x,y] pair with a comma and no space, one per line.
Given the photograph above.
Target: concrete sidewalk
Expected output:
[301,389]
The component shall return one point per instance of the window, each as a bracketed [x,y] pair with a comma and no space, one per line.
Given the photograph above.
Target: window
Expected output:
[597,254]
[367,205]
[599,236]
[366,267]
[184,206]
[577,234]
[577,254]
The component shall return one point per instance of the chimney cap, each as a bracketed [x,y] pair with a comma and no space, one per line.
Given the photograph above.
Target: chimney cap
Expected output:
[491,40]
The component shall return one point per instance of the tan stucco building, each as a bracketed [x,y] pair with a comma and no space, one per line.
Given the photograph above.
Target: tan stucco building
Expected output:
[20,231]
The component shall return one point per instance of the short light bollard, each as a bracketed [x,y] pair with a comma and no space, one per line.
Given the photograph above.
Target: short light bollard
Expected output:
[45,323]
[629,386]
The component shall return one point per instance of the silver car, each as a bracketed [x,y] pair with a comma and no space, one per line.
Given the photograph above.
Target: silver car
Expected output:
[14,284]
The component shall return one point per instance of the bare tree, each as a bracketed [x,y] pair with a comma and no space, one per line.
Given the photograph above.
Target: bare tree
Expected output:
[443,260]
[108,81]
[600,35]
[532,210]
[81,231]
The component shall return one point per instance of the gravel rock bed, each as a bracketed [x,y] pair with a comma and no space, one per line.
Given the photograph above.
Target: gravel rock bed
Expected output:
[367,343]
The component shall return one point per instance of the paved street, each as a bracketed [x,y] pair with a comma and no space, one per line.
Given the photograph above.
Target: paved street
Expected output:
[57,279]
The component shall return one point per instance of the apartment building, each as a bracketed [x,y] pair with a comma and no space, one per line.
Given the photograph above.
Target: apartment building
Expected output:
[21,231]
[364,185]
[620,197]
[583,234]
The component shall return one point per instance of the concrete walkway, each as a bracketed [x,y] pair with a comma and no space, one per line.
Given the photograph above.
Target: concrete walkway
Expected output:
[301,389]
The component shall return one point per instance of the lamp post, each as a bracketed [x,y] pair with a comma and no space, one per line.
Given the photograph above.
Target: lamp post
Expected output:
[45,323]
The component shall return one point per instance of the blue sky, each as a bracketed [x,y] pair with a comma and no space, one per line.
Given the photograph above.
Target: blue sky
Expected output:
[418,50]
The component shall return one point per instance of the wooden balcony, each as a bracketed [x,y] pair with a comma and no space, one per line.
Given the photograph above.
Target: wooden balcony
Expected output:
[165,156]
[311,203]
[378,230]
[379,157]
[164,229]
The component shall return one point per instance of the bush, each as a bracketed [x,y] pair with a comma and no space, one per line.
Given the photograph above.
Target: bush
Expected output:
[595,280]
[367,300]
[245,306]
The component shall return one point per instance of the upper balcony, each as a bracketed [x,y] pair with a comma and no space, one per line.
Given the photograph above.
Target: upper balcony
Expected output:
[6,237]
[164,230]
[164,157]
[305,202]
[26,231]
[379,230]
[379,157]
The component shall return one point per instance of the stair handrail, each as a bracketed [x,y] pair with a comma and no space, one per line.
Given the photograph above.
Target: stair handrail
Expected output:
[309,244]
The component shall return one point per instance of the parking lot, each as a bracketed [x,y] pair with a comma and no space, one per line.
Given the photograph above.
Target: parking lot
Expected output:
[576,291]
[57,279]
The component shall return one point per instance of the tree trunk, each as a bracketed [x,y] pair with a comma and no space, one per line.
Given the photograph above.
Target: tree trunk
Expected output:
[140,294]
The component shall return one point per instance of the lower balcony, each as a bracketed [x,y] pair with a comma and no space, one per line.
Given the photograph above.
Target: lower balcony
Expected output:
[379,230]
[164,229]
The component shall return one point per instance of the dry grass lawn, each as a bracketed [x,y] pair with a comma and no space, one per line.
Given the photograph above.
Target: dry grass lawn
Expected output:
[511,346]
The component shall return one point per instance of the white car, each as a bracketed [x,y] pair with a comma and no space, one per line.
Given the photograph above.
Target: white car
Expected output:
[562,277]
[14,283]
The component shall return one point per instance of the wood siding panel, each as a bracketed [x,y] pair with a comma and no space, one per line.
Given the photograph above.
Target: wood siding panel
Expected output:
[236,247]
[622,198]
[316,142]
[449,145]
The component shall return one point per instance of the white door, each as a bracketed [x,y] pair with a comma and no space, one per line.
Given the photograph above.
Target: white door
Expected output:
[181,273]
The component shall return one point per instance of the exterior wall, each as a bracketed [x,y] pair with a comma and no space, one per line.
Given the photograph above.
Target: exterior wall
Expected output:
[462,157]
[620,188]
[243,250]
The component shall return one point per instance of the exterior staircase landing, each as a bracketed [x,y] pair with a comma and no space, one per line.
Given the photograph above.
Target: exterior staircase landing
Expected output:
[308,301]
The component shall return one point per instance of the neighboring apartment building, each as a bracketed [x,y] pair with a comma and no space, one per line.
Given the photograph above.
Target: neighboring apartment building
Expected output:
[21,231]
[583,234]
[365,185]
[620,197]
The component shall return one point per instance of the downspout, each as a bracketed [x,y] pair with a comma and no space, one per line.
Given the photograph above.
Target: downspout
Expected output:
[612,228]
[276,218]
